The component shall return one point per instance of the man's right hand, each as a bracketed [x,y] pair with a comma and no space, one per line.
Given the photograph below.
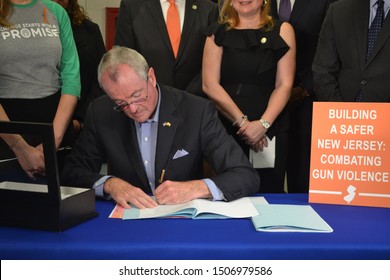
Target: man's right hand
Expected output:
[124,193]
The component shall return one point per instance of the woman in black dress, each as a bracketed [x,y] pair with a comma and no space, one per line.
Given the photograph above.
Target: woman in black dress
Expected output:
[248,71]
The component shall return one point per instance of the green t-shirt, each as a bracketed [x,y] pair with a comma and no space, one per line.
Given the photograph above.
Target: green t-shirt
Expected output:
[39,55]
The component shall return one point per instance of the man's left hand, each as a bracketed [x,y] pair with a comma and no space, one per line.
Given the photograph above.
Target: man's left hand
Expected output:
[170,192]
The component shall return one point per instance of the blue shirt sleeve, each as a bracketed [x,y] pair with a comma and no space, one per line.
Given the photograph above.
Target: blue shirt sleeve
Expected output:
[215,191]
[98,187]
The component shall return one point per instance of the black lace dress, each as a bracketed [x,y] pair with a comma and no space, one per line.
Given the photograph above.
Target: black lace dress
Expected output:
[248,73]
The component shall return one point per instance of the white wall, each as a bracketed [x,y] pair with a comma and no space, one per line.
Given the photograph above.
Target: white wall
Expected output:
[96,10]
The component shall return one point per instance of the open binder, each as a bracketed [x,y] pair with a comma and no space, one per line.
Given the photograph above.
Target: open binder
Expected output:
[43,204]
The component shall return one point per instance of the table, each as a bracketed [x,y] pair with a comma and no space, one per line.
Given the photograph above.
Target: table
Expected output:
[359,233]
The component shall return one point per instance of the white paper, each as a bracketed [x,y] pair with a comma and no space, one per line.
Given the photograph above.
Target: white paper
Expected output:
[265,158]
[198,208]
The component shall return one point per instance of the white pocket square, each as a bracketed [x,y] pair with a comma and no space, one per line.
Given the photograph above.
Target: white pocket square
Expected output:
[180,153]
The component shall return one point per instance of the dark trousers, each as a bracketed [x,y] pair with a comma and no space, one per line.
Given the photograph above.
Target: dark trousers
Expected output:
[298,163]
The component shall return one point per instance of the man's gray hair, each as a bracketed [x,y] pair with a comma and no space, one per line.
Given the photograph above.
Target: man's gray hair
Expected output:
[122,55]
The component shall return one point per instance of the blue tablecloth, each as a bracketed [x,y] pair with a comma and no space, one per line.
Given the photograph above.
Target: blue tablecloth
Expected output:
[359,233]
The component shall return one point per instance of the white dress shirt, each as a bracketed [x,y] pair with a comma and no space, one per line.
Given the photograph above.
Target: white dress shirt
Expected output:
[180,4]
[373,8]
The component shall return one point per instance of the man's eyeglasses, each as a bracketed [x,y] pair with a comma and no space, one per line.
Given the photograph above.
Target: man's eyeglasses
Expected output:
[138,99]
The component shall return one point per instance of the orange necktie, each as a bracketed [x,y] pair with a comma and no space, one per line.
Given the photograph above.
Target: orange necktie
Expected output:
[173,26]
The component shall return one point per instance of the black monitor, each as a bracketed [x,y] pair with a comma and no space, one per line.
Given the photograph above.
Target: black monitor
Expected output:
[41,203]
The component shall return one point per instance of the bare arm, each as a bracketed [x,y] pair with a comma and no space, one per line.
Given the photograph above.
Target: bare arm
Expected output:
[63,116]
[30,158]
[284,77]
[10,139]
[211,76]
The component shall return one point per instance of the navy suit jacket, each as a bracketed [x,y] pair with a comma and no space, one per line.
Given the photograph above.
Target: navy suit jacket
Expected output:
[141,26]
[340,67]
[306,19]
[194,127]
